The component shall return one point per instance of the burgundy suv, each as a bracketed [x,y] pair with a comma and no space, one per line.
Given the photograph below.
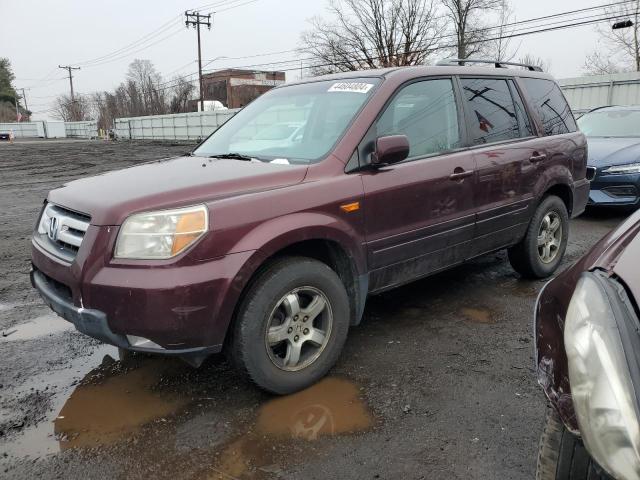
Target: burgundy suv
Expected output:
[267,239]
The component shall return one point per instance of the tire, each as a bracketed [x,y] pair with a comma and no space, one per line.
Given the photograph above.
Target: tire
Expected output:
[525,257]
[270,362]
[562,456]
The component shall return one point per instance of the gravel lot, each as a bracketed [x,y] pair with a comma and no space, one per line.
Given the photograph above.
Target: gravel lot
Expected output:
[437,381]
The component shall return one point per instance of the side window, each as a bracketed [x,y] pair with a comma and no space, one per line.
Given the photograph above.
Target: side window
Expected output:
[426,113]
[493,114]
[526,130]
[550,106]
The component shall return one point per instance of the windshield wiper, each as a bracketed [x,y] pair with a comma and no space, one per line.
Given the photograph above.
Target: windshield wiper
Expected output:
[233,156]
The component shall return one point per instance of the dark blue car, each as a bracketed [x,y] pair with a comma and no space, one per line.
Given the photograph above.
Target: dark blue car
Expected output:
[613,134]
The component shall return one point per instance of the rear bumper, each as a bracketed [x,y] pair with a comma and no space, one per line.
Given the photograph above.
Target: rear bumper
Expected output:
[580,197]
[615,190]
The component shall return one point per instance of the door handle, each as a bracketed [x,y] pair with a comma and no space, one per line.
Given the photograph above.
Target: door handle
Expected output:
[460,174]
[537,157]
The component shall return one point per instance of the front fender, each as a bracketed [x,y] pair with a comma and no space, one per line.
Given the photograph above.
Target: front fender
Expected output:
[268,238]
[272,236]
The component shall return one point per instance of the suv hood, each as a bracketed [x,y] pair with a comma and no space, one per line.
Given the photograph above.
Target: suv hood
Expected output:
[111,197]
[604,152]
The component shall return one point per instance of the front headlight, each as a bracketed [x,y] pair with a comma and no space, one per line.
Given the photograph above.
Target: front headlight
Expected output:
[603,393]
[622,169]
[162,234]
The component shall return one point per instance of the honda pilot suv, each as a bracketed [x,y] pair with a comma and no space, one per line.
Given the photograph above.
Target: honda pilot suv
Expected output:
[269,249]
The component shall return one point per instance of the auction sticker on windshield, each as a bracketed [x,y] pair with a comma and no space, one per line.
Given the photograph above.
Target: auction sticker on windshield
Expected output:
[355,87]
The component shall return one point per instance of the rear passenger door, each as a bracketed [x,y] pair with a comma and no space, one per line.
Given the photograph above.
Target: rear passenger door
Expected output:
[505,148]
[419,213]
[560,142]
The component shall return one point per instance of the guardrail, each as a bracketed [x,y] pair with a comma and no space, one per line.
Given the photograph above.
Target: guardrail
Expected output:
[177,126]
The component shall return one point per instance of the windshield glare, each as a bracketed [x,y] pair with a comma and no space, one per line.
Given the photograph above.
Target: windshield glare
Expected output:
[613,123]
[294,124]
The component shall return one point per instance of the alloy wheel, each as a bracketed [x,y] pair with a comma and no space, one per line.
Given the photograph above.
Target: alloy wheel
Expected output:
[299,328]
[550,237]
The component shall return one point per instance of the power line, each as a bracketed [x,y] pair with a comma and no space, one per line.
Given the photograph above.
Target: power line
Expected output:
[520,32]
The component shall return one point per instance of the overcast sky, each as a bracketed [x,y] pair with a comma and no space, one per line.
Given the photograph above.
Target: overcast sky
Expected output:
[37,36]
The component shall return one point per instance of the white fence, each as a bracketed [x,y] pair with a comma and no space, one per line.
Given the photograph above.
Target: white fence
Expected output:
[51,129]
[88,129]
[586,93]
[177,126]
[24,129]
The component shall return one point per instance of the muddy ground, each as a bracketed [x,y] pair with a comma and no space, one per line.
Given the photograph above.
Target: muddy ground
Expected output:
[437,381]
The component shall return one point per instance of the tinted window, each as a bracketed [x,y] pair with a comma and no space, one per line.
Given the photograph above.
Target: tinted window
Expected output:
[426,113]
[550,106]
[493,114]
[526,130]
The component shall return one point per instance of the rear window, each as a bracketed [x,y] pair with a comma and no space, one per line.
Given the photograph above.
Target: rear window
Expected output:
[492,111]
[550,106]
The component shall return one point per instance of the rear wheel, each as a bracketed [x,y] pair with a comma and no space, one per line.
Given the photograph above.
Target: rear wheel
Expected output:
[540,252]
[291,326]
[562,456]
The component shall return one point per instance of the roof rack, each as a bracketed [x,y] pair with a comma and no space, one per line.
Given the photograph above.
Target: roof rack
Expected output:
[497,64]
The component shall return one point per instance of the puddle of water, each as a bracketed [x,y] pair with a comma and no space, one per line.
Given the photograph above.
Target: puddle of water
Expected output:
[102,414]
[331,407]
[39,439]
[49,324]
[478,315]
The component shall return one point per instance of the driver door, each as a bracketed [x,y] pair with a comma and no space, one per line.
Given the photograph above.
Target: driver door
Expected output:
[420,213]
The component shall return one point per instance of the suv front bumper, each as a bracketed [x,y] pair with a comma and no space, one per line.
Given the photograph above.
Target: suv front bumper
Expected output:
[94,323]
[179,307]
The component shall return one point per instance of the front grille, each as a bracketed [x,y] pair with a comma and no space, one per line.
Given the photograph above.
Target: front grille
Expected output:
[621,191]
[591,173]
[61,231]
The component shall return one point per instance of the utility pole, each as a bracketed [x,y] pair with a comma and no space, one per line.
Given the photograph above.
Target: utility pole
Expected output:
[194,18]
[24,97]
[73,100]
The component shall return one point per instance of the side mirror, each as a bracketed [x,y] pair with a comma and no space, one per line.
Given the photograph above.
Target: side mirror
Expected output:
[390,149]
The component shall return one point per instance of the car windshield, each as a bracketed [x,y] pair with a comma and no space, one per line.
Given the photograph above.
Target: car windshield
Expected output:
[611,123]
[292,124]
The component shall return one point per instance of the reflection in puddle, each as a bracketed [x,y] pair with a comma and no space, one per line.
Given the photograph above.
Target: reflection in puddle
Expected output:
[478,315]
[331,407]
[103,413]
[44,325]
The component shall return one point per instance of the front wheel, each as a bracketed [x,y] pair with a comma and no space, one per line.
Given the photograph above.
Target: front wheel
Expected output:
[562,456]
[541,250]
[291,325]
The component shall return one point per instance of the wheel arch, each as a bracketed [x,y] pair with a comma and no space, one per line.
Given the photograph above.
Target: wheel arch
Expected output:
[562,191]
[328,244]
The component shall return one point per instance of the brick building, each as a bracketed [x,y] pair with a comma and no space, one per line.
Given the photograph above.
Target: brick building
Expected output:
[235,88]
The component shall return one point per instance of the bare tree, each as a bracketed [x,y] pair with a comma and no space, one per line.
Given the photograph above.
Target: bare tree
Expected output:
[182,91]
[72,111]
[620,49]
[529,59]
[469,30]
[502,50]
[367,34]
